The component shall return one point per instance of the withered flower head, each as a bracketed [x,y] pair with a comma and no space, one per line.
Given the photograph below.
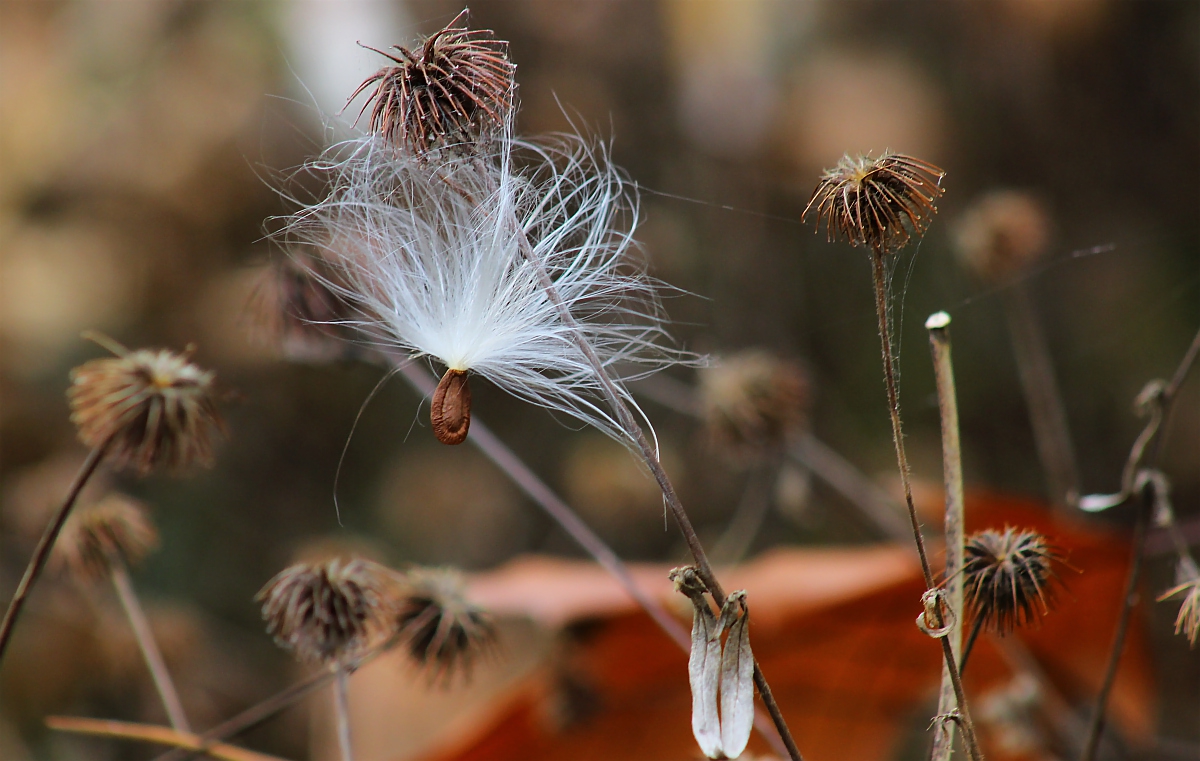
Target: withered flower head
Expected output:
[296,310]
[1188,620]
[456,87]
[1003,232]
[157,407]
[877,202]
[118,529]
[443,629]
[754,399]
[1006,577]
[328,612]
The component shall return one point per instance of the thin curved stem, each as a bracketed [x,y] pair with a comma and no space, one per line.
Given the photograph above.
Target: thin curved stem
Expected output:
[42,552]
[341,708]
[149,733]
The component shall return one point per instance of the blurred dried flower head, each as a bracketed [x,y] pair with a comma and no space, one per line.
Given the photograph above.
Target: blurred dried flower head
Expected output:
[1002,233]
[455,88]
[443,629]
[754,399]
[295,310]
[1188,620]
[1006,577]
[117,529]
[328,612]
[877,202]
[157,408]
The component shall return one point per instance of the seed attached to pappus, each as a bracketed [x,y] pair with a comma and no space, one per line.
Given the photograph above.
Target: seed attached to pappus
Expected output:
[451,410]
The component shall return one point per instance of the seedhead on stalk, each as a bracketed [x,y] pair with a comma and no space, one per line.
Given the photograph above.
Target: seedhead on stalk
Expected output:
[1008,576]
[1002,233]
[877,202]
[455,88]
[116,529]
[157,408]
[754,400]
[443,629]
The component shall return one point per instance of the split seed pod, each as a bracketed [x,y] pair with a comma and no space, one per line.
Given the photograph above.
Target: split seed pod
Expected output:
[877,202]
[1007,576]
[455,88]
[155,408]
[450,412]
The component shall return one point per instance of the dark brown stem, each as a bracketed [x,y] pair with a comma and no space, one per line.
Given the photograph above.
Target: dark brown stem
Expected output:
[42,552]
[632,429]
[976,628]
[889,375]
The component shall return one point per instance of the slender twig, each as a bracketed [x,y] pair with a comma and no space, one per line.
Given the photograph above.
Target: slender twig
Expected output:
[145,639]
[889,374]
[1146,449]
[976,628]
[1047,417]
[872,501]
[749,514]
[630,426]
[150,733]
[341,708]
[943,370]
[42,552]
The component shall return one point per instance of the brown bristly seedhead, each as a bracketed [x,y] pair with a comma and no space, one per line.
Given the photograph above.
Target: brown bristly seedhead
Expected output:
[450,410]
[295,309]
[754,400]
[329,612]
[1007,576]
[1187,622]
[457,87]
[877,202]
[157,408]
[444,631]
[118,529]
[1002,233]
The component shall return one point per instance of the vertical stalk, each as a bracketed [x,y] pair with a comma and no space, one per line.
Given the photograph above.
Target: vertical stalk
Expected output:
[149,648]
[42,552]
[342,710]
[889,375]
[1051,433]
[943,369]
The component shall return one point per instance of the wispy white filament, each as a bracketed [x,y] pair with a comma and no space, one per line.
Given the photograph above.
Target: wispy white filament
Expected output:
[430,253]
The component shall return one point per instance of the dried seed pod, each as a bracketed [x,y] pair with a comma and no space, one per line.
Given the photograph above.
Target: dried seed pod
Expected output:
[156,407]
[1002,233]
[877,202]
[116,529]
[1007,576]
[450,412]
[753,400]
[444,630]
[453,89]
[328,612]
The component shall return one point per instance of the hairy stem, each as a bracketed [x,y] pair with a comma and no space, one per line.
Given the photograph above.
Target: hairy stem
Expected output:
[889,375]
[341,708]
[630,426]
[42,552]
[149,648]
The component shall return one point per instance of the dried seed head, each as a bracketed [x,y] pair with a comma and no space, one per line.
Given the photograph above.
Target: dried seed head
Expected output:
[877,202]
[753,400]
[295,309]
[117,529]
[450,411]
[1002,233]
[1006,577]
[455,88]
[328,612]
[157,408]
[443,629]
[1187,622]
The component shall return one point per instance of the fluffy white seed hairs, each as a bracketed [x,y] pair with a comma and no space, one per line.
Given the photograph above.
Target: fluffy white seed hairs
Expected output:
[430,252]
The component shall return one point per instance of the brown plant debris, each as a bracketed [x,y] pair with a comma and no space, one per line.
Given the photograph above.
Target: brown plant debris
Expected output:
[116,529]
[456,87]
[1007,576]
[328,612]
[877,202]
[157,408]
[442,628]
[1187,622]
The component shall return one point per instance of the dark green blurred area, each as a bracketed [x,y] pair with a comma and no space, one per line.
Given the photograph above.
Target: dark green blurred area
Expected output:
[138,146]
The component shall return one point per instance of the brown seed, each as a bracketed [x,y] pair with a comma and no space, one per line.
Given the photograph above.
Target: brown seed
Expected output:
[451,410]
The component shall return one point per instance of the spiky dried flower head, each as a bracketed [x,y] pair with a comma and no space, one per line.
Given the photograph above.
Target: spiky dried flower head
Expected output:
[294,311]
[455,88]
[1007,576]
[118,529]
[1002,233]
[754,399]
[444,630]
[328,612]
[153,406]
[877,202]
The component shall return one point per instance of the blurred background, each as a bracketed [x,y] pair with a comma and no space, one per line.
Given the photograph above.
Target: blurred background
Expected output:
[139,146]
